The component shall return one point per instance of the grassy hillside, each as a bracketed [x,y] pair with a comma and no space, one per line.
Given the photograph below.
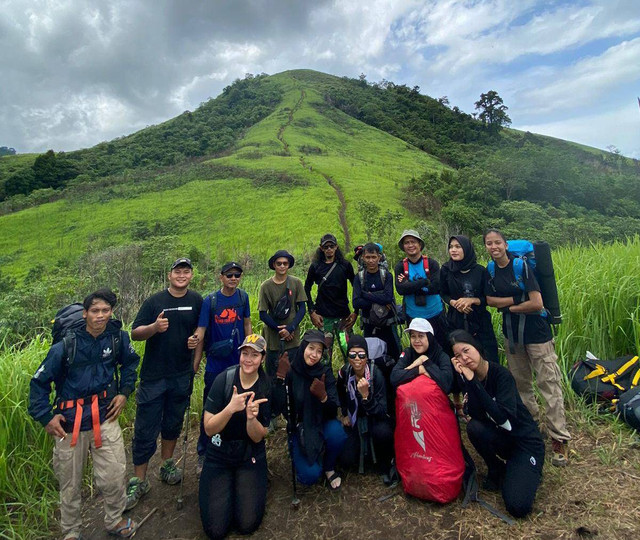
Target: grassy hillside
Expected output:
[275,162]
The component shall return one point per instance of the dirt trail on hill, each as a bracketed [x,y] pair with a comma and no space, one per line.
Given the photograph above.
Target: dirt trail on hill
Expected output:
[342,211]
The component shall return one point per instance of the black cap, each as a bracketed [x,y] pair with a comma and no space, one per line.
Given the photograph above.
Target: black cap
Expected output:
[230,266]
[328,238]
[313,336]
[358,341]
[279,254]
[182,261]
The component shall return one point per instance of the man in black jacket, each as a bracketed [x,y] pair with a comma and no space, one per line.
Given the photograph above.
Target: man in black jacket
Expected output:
[89,399]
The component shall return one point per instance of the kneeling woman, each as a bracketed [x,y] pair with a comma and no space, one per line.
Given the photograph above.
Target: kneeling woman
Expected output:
[363,399]
[233,484]
[319,437]
[425,356]
[501,427]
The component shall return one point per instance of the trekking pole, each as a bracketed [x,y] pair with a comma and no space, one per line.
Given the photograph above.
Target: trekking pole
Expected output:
[186,434]
[295,502]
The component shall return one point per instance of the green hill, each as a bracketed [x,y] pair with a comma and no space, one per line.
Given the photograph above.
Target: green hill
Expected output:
[274,162]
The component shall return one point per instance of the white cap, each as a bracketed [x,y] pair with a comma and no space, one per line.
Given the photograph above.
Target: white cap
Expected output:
[420,325]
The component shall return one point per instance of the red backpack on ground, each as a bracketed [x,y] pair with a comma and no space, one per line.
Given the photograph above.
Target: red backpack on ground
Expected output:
[427,441]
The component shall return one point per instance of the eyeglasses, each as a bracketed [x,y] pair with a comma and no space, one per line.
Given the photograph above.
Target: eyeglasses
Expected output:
[237,276]
[282,263]
[361,355]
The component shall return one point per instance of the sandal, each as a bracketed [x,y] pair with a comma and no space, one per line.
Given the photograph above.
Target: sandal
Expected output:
[126,531]
[329,479]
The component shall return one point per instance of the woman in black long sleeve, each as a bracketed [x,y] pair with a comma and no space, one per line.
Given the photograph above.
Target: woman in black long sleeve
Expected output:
[363,399]
[501,427]
[233,484]
[424,357]
[462,287]
[319,436]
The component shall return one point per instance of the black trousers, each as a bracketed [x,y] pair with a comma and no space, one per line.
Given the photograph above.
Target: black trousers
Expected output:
[381,431]
[233,496]
[520,475]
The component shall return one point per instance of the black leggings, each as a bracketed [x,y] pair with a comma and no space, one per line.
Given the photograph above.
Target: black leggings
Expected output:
[520,475]
[233,496]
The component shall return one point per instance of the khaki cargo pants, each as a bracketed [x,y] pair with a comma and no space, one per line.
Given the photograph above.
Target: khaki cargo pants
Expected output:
[540,359]
[109,464]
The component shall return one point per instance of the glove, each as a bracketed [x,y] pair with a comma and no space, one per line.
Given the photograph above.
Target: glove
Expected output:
[283,366]
[318,389]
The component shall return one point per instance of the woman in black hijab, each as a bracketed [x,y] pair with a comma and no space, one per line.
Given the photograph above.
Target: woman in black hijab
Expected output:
[462,287]
[319,437]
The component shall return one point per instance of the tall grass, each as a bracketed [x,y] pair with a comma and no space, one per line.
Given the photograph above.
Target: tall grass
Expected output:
[599,290]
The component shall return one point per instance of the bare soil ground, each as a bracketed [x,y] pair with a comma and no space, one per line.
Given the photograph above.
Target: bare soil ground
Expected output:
[597,496]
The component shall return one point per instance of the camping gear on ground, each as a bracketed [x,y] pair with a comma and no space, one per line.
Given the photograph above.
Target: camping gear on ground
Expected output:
[428,448]
[628,407]
[604,380]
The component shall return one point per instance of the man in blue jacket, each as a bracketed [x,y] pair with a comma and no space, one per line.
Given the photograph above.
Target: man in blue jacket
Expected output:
[89,398]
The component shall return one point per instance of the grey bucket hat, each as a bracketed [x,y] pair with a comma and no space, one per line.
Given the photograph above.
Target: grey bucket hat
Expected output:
[410,232]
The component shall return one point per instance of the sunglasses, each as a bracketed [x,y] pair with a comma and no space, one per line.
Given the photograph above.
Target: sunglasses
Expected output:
[361,355]
[329,246]
[237,276]
[282,263]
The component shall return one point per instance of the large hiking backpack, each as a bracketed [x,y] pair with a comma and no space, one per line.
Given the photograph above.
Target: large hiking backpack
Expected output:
[535,256]
[604,380]
[427,442]
[66,322]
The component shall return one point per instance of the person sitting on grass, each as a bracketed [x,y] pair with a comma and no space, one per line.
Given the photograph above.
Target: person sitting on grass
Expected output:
[363,399]
[313,405]
[89,398]
[233,483]
[501,428]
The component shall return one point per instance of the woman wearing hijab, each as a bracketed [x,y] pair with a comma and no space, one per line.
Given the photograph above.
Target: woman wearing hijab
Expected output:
[363,399]
[501,428]
[311,387]
[462,287]
[424,356]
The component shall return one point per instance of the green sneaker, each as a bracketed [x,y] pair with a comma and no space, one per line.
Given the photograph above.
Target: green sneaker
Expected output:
[135,491]
[169,473]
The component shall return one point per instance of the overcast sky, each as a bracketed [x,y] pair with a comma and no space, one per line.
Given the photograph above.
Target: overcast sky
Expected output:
[77,72]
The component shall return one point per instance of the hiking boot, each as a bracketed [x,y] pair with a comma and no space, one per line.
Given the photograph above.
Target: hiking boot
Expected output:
[135,491]
[200,465]
[169,473]
[560,456]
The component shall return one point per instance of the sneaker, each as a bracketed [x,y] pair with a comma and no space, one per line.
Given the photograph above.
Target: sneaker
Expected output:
[169,473]
[200,465]
[135,491]
[560,456]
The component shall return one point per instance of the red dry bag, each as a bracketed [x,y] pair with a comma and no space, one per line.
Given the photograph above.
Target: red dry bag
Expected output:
[427,441]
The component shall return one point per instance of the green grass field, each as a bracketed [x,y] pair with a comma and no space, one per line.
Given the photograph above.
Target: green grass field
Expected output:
[599,292]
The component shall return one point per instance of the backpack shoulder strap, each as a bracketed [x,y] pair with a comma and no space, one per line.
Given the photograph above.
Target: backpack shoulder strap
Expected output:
[425,264]
[69,343]
[383,274]
[405,266]
[361,278]
[230,374]
[491,268]
[244,298]
[520,269]
[116,341]
[213,297]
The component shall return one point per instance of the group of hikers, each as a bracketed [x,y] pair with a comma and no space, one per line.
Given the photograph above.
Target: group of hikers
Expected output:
[335,421]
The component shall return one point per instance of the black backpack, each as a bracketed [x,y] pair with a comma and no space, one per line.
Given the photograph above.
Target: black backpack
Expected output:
[604,380]
[66,322]
[628,407]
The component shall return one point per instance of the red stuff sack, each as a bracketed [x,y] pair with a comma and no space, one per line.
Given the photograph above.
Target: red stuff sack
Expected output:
[427,442]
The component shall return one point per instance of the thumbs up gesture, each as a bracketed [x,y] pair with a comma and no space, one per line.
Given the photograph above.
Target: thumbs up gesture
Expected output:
[318,389]
[161,323]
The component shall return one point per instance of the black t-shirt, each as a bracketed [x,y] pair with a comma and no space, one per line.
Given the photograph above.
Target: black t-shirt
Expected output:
[166,354]
[496,400]
[234,443]
[471,284]
[504,284]
[332,299]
